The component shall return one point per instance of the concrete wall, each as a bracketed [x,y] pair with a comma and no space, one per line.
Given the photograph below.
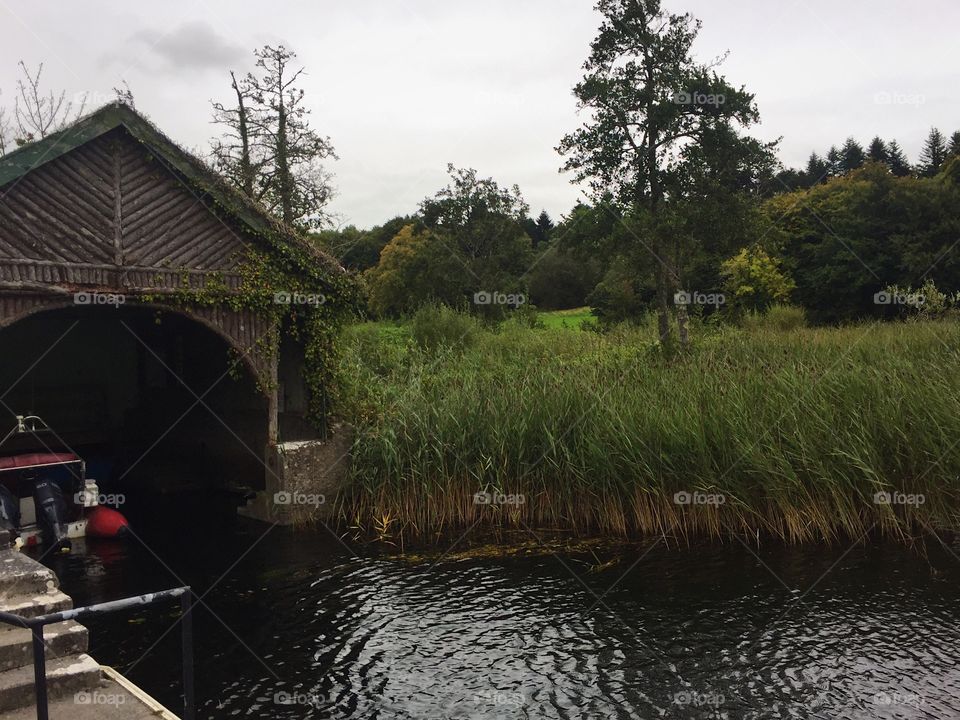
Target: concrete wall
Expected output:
[304,479]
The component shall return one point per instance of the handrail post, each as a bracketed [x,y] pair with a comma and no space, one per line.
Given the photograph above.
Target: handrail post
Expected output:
[40,672]
[186,623]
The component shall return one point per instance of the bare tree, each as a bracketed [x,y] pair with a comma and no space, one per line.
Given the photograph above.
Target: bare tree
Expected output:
[5,131]
[37,113]
[269,151]
[233,153]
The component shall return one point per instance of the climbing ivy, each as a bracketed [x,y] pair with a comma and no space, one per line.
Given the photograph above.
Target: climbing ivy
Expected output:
[275,262]
[271,282]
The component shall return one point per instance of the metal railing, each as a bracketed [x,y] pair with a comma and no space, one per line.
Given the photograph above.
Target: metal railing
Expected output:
[36,625]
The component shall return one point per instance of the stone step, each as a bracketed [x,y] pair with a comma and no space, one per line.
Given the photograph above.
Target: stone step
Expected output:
[30,606]
[21,575]
[60,639]
[65,676]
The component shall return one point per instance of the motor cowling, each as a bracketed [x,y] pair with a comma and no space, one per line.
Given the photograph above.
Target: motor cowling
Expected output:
[51,511]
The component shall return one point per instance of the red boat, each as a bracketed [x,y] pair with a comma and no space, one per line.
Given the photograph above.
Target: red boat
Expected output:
[46,496]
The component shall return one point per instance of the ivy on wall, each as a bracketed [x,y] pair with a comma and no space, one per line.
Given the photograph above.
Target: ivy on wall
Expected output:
[290,286]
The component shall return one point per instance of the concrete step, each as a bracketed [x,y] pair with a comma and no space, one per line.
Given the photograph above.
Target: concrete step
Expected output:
[60,639]
[29,606]
[65,676]
[21,575]
[113,700]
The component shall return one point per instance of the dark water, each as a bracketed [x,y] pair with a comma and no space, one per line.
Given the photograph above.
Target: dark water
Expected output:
[705,632]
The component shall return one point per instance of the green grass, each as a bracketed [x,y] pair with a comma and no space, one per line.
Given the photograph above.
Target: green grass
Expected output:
[575,318]
[797,429]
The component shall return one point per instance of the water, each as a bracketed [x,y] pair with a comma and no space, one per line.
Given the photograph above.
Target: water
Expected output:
[703,632]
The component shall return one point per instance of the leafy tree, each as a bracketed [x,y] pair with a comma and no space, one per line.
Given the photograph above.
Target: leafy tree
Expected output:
[481,224]
[754,280]
[851,156]
[269,151]
[559,280]
[360,249]
[878,151]
[847,240]
[415,269]
[934,153]
[787,179]
[657,117]
[586,233]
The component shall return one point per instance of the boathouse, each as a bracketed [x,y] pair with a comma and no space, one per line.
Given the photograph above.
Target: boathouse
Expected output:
[126,318]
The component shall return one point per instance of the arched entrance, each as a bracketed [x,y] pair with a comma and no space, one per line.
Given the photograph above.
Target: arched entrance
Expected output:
[157,402]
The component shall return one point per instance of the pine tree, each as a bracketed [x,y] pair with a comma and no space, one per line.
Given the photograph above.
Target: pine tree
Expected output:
[897,160]
[954,147]
[851,155]
[834,161]
[817,170]
[934,153]
[878,151]
[544,227]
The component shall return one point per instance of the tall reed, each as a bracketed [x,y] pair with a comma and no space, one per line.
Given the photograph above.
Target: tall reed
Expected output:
[795,431]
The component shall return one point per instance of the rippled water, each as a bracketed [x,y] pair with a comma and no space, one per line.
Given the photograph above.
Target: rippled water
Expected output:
[704,632]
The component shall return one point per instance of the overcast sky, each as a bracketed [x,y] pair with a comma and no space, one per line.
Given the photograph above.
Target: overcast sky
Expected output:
[403,87]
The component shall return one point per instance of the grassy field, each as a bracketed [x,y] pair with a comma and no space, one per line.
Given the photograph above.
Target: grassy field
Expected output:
[800,434]
[573,319]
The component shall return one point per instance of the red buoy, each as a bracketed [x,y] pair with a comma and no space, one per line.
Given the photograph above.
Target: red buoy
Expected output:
[104,522]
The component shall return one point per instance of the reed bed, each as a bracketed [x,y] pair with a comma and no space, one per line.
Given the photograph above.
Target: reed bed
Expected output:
[797,431]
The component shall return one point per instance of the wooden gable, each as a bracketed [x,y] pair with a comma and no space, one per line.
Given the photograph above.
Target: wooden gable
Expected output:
[112,202]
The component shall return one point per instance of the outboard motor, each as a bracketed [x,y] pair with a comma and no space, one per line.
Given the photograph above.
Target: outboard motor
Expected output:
[9,511]
[51,511]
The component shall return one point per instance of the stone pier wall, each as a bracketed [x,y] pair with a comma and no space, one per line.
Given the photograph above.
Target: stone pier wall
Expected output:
[303,479]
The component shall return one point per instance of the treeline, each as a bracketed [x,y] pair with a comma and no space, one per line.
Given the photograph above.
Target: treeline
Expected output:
[688,214]
[937,149]
[829,248]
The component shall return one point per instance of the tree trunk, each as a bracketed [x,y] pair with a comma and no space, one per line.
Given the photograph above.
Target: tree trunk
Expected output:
[246,166]
[663,305]
[682,326]
[283,162]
